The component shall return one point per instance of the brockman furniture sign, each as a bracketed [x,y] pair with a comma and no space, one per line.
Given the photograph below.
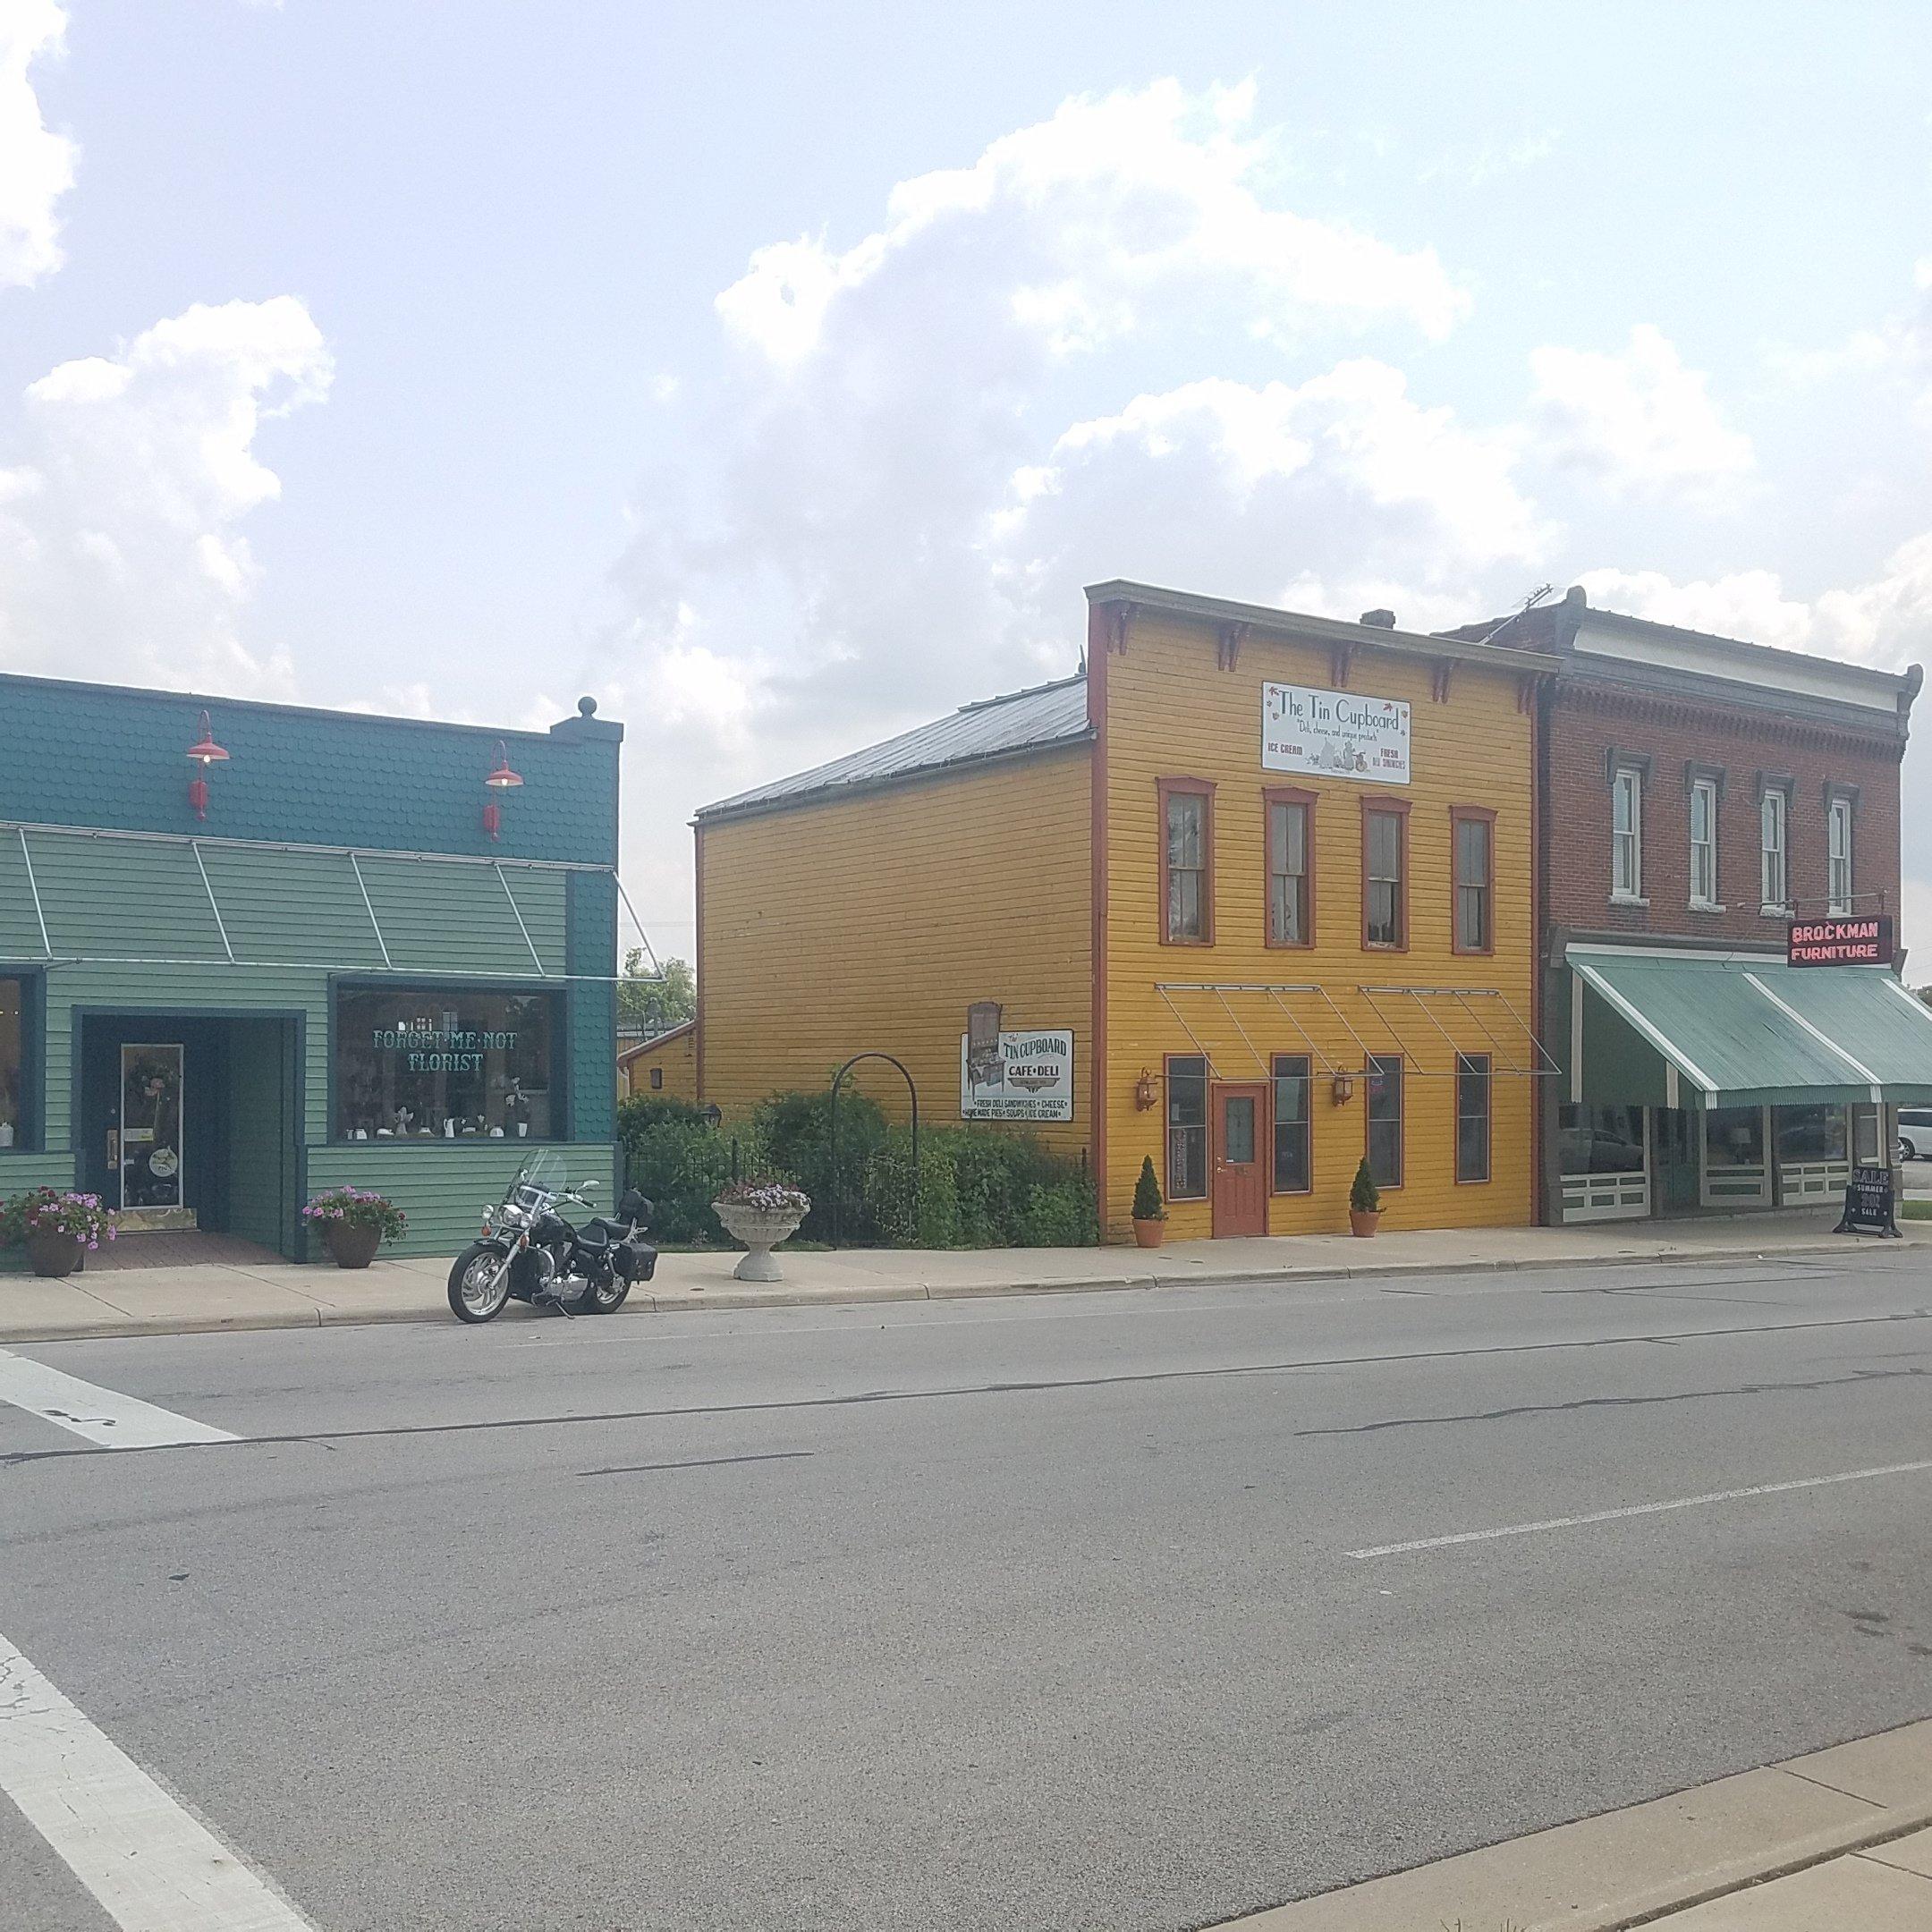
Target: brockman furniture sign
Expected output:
[1334,735]
[1031,1078]
[1840,942]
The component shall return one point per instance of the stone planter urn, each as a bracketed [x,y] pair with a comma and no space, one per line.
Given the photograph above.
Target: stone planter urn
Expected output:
[350,1246]
[53,1255]
[761,1229]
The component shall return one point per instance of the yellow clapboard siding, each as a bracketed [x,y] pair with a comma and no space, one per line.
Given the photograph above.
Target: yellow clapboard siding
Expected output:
[1171,711]
[835,927]
[674,1058]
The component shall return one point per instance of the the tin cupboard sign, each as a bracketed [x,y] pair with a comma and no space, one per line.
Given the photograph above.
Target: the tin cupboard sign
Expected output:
[1334,735]
[1018,1076]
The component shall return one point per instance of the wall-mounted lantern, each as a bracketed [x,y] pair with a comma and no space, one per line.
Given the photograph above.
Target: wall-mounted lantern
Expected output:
[1342,1090]
[712,1115]
[202,755]
[502,779]
[1144,1096]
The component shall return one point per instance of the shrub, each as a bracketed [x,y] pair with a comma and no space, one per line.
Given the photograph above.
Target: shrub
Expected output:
[653,1110]
[52,1211]
[347,1207]
[793,1132]
[681,1164]
[1365,1196]
[1059,1214]
[1147,1205]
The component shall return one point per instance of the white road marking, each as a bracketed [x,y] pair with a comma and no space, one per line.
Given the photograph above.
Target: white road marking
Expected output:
[1642,1509]
[103,1416]
[152,1867]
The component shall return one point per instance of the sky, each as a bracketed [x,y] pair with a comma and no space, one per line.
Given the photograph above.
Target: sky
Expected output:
[779,375]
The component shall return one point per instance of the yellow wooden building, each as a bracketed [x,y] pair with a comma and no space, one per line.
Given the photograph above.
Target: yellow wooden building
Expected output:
[1251,895]
[662,1068]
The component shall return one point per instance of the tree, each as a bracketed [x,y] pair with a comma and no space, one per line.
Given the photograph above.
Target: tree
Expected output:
[653,1005]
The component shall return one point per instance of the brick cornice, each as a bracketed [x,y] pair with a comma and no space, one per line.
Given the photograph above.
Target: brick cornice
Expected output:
[1738,722]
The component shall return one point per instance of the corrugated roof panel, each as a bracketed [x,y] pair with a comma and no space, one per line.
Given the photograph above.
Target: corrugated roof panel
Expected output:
[1028,720]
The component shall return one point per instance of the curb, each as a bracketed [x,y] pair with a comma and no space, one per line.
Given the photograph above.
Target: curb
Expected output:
[857,1294]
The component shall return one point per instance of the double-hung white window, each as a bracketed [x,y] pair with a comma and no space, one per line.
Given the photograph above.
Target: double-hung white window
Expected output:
[1704,842]
[1838,857]
[1626,834]
[1774,886]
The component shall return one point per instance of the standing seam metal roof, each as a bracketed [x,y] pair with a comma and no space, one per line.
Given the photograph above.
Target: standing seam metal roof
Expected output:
[1022,721]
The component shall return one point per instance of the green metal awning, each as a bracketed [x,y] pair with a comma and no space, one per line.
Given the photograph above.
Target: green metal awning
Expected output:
[1745,1029]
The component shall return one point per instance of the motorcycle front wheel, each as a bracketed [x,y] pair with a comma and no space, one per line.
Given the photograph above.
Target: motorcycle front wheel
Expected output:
[479,1284]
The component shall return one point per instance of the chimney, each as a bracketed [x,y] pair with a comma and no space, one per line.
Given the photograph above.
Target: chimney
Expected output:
[1379,620]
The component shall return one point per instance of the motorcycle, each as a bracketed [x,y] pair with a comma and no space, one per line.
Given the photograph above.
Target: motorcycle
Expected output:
[529,1252]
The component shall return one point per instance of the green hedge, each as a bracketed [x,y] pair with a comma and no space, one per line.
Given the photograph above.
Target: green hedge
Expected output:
[977,1187]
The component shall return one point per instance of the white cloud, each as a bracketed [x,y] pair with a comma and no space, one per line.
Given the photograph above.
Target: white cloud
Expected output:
[37,165]
[120,551]
[1089,218]
[1640,419]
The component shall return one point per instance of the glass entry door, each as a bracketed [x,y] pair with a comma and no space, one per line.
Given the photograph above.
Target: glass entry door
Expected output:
[151,1126]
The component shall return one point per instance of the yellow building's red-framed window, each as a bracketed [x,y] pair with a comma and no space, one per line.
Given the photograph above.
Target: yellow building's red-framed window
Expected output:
[1385,874]
[1472,874]
[1187,1126]
[1294,1163]
[1472,1117]
[1384,1111]
[1290,865]
[1186,862]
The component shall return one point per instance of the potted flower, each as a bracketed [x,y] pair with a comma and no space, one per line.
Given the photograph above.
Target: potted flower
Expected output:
[1149,1211]
[1364,1202]
[354,1223]
[58,1229]
[761,1214]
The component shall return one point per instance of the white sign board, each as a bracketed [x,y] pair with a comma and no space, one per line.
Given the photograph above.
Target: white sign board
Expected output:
[1334,735]
[1029,1077]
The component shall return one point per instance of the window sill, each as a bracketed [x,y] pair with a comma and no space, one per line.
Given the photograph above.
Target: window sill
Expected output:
[1708,905]
[1628,899]
[1775,911]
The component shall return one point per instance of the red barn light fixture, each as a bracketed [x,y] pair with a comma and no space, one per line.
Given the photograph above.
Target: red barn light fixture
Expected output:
[502,779]
[202,755]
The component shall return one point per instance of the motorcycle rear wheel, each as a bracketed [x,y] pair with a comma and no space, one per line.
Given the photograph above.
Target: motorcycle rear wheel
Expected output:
[479,1284]
[607,1300]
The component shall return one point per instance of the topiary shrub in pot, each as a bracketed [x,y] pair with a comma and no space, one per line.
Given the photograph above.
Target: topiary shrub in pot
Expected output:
[1364,1202]
[1149,1211]
[354,1223]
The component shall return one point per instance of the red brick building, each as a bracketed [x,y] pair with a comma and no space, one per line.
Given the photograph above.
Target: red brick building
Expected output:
[1695,794]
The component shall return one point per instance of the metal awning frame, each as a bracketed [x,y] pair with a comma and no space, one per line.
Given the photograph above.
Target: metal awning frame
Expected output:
[1461,996]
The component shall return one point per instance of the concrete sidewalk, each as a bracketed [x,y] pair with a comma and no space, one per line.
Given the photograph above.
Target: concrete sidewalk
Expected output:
[268,1295]
[1836,1841]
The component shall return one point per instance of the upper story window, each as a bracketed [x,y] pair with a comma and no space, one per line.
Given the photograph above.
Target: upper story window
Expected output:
[1626,834]
[1385,883]
[1290,906]
[1187,861]
[1774,867]
[1838,856]
[1703,843]
[1473,859]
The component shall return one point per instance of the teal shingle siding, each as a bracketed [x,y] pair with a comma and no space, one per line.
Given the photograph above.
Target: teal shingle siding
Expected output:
[131,929]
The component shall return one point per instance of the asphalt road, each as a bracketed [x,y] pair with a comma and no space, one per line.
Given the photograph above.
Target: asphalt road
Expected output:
[1036,1613]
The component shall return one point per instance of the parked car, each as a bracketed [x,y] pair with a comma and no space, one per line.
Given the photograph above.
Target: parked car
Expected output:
[1915,1133]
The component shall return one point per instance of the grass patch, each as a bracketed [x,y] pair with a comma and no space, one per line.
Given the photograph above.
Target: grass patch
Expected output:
[1915,1210]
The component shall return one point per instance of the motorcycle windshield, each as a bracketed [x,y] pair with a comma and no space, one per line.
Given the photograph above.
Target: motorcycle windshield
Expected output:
[542,1172]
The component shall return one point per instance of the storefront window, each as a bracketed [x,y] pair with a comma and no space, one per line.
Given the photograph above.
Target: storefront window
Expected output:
[1810,1134]
[1385,1119]
[425,1064]
[12,1063]
[1472,1117]
[1600,1139]
[1187,1128]
[1733,1137]
[1292,1166]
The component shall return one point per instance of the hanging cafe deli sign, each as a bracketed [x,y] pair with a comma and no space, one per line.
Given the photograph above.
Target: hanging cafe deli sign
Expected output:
[1334,735]
[1840,942]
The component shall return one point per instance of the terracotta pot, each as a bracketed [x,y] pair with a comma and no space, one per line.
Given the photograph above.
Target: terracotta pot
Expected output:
[1362,1222]
[53,1255]
[1150,1234]
[350,1246]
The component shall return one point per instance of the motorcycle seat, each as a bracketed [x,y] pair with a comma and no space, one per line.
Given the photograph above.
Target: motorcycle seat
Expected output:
[602,1224]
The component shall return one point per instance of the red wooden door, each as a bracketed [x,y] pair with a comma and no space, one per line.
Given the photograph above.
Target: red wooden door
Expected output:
[1240,1184]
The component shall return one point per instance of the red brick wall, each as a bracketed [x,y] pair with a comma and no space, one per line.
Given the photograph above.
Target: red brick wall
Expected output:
[1587,721]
